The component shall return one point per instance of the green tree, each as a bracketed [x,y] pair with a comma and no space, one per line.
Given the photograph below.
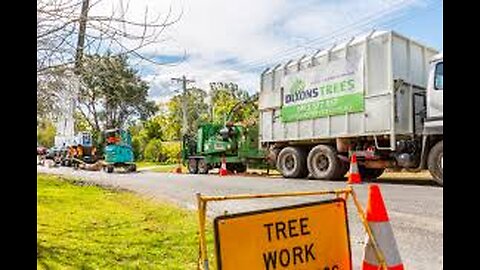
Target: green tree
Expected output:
[46,133]
[153,150]
[112,93]
[225,99]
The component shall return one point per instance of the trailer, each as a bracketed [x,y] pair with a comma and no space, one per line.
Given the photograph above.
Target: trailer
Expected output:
[236,144]
[379,95]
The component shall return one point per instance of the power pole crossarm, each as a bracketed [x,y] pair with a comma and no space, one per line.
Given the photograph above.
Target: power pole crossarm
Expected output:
[184,81]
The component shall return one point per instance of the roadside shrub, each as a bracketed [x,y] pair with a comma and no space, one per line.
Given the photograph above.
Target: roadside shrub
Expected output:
[153,151]
[171,152]
[163,152]
[138,145]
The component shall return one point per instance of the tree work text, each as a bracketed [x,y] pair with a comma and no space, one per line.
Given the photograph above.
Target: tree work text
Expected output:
[281,230]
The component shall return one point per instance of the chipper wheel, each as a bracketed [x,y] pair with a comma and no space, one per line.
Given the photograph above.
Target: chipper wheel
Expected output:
[202,166]
[192,166]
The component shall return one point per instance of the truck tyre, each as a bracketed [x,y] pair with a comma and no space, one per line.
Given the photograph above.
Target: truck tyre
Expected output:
[291,162]
[202,166]
[192,166]
[109,168]
[435,162]
[323,163]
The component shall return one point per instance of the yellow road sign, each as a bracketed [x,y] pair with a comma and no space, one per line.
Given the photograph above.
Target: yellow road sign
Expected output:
[306,236]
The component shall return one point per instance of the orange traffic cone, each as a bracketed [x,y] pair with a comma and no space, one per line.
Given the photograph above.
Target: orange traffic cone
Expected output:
[378,220]
[354,175]
[223,168]
[178,169]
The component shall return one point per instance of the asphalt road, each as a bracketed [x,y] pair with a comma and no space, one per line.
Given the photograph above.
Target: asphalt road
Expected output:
[415,210]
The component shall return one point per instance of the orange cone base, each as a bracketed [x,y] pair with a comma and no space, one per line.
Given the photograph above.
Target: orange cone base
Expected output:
[354,179]
[367,266]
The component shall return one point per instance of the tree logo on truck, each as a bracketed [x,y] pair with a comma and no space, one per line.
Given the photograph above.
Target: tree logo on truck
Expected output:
[298,85]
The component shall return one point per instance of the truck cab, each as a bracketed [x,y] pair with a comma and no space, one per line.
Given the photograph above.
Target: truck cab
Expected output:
[434,119]
[433,124]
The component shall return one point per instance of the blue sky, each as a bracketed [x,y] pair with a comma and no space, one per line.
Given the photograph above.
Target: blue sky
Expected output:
[427,26]
[232,41]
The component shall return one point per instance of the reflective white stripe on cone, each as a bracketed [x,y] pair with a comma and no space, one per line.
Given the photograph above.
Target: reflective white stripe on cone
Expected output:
[377,217]
[386,242]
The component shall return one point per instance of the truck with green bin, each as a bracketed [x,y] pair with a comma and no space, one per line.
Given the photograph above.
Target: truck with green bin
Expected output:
[378,95]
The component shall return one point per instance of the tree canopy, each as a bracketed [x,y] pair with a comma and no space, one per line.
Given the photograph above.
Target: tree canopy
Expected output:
[112,94]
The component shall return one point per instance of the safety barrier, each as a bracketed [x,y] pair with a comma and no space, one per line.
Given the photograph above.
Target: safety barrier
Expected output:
[202,201]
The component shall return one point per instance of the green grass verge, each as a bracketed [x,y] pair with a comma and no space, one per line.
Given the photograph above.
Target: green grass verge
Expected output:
[88,227]
[141,164]
[167,168]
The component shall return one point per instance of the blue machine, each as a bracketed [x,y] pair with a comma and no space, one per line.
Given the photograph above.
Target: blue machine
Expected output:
[118,150]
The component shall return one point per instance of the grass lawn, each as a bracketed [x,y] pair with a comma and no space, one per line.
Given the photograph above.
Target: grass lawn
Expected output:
[88,227]
[158,166]
[142,164]
[168,168]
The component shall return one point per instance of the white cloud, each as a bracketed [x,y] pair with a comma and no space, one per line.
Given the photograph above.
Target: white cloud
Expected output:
[247,33]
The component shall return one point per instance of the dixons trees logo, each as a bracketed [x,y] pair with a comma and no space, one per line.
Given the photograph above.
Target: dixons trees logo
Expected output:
[299,93]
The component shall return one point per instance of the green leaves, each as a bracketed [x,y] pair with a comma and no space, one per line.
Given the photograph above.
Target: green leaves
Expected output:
[112,92]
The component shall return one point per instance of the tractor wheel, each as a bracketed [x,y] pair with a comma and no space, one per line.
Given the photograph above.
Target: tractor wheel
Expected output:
[202,166]
[192,166]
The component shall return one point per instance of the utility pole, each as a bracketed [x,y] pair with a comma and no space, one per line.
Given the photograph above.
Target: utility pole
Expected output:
[81,34]
[184,81]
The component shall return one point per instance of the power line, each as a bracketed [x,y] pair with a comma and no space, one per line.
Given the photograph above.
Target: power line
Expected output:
[365,19]
[359,24]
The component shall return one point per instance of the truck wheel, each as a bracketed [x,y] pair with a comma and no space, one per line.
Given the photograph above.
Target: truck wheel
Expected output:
[192,166]
[323,163]
[435,162]
[109,168]
[291,162]
[202,166]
